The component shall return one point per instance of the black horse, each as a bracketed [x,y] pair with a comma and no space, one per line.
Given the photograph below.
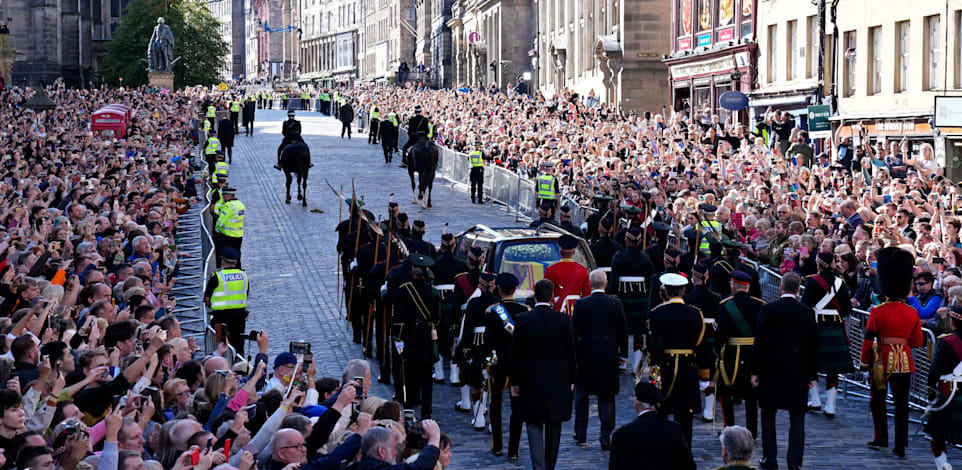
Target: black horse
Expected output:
[295,157]
[423,159]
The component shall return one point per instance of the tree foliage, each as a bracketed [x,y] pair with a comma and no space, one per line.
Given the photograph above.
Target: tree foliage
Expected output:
[197,43]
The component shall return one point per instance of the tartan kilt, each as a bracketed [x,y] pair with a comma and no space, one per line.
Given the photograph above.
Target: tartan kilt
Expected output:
[636,312]
[946,425]
[833,349]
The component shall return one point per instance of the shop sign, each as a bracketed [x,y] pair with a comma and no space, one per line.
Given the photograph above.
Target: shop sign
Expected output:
[704,40]
[721,64]
[684,44]
[726,34]
[895,126]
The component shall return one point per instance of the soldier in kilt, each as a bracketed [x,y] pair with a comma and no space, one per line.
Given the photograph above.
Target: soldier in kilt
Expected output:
[447,267]
[945,425]
[631,272]
[827,293]
[472,351]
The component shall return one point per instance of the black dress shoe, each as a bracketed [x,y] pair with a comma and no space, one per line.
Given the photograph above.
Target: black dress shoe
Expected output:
[581,443]
[497,453]
[878,443]
[899,451]
[513,457]
[605,447]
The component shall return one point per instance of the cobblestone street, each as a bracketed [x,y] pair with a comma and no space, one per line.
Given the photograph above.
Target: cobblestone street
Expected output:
[289,253]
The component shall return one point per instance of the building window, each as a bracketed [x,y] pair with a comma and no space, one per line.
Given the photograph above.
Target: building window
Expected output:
[958,49]
[902,56]
[772,53]
[791,50]
[933,39]
[849,65]
[875,65]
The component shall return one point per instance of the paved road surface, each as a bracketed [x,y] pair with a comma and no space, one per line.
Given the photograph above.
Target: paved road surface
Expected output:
[290,255]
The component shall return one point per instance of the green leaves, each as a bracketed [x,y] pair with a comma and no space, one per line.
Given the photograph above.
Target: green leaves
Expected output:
[197,43]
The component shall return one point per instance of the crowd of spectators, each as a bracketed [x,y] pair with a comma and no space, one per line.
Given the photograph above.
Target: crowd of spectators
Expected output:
[784,195]
[96,371]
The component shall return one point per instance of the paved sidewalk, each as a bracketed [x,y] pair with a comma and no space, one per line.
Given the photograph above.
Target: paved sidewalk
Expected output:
[289,253]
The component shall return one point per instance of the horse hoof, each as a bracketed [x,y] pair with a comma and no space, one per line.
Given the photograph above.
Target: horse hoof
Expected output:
[414,201]
[300,198]
[304,203]
[429,203]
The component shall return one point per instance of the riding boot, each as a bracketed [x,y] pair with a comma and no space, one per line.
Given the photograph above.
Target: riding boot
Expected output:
[455,375]
[814,400]
[830,396]
[462,404]
[438,375]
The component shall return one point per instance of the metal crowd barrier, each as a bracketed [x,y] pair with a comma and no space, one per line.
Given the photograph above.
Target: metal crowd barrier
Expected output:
[857,383]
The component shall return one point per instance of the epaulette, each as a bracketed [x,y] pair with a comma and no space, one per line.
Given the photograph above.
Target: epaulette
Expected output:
[945,335]
[726,299]
[461,274]
[756,298]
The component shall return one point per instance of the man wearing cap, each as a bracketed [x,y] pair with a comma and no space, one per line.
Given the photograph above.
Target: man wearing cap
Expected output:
[569,277]
[476,159]
[656,252]
[499,329]
[211,146]
[707,225]
[734,338]
[291,126]
[388,132]
[631,273]
[604,248]
[543,371]
[465,288]
[226,295]
[650,441]
[601,340]
[828,294]
[722,268]
[396,277]
[545,215]
[603,211]
[416,317]
[784,368]
[367,256]
[471,354]
[447,267]
[679,355]
[707,301]
[416,243]
[229,224]
[547,185]
[284,365]
[564,219]
[418,130]
[893,329]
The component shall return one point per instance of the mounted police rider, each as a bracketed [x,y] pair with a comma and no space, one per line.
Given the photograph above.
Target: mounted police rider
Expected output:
[418,130]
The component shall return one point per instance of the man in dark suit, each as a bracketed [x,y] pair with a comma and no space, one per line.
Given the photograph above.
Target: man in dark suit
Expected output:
[346,115]
[784,368]
[650,441]
[600,331]
[225,132]
[543,364]
[249,109]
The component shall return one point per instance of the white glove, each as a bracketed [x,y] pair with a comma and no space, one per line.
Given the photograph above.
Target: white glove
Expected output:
[353,264]
[702,385]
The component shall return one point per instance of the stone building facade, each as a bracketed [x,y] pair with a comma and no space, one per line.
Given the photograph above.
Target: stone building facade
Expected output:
[387,39]
[329,42]
[230,14]
[491,40]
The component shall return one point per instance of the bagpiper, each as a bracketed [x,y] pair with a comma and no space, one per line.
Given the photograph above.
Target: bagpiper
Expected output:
[631,273]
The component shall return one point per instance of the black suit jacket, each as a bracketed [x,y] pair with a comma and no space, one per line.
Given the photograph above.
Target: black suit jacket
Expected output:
[543,364]
[600,331]
[225,132]
[786,341]
[650,442]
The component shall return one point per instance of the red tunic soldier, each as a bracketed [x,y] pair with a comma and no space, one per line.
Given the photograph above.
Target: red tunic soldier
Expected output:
[568,276]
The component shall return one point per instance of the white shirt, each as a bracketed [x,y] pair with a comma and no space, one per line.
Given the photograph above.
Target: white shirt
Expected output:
[600,291]
[789,295]
[546,304]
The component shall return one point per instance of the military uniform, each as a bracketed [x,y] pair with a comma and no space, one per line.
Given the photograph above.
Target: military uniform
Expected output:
[471,353]
[497,341]
[734,341]
[447,267]
[631,273]
[375,279]
[604,249]
[602,212]
[569,277]
[416,316]
[676,343]
[705,300]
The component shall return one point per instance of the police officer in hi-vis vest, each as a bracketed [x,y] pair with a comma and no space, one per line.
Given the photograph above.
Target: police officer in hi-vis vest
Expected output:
[229,222]
[547,186]
[477,173]
[226,295]
[375,119]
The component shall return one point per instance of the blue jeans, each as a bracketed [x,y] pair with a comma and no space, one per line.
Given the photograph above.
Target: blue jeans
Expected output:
[543,442]
[606,412]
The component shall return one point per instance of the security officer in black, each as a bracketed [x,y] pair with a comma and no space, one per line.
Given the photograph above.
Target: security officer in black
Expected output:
[631,273]
[679,356]
[416,317]
[656,251]
[604,248]
[498,336]
[564,219]
[671,258]
[471,353]
[720,275]
[418,130]
[734,341]
[603,211]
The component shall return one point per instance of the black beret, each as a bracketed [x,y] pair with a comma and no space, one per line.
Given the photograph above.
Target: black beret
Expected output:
[646,392]
[567,242]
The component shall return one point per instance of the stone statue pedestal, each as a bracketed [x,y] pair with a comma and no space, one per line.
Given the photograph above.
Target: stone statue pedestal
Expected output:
[161,79]
[7,56]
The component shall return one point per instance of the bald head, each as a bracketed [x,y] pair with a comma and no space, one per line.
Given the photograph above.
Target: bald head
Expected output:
[598,279]
[181,432]
[215,363]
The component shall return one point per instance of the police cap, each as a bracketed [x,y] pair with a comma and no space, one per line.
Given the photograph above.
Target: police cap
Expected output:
[419,260]
[673,280]
[631,209]
[290,112]
[507,280]
[567,242]
[228,190]
[646,392]
[229,253]
[707,208]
